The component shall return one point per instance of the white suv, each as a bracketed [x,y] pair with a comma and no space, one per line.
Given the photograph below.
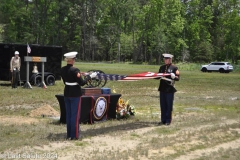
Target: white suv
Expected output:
[222,67]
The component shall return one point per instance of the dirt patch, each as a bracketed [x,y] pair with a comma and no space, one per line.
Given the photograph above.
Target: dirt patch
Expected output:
[97,146]
[44,111]
[195,154]
[17,120]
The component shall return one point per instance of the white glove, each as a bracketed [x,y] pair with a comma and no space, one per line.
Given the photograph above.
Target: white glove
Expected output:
[93,75]
[173,75]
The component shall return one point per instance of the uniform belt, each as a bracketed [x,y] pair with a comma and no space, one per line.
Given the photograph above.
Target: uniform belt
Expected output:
[71,83]
[167,79]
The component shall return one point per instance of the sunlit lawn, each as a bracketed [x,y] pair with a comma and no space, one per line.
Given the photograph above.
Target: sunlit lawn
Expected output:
[198,92]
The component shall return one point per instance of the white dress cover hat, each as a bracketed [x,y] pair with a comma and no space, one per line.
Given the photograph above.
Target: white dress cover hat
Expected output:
[70,54]
[165,55]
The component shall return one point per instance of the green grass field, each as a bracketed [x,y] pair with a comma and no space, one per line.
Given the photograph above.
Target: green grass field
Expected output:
[202,99]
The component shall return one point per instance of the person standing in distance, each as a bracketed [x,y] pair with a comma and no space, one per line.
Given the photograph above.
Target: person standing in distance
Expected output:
[15,65]
[73,81]
[167,90]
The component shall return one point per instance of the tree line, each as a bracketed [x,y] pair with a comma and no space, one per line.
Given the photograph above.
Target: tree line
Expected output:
[127,30]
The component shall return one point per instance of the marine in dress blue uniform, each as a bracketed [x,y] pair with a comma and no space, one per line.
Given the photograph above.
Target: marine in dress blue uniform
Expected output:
[73,81]
[167,89]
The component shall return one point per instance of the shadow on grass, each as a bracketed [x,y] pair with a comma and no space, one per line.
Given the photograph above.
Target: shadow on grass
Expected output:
[104,130]
[9,84]
[6,84]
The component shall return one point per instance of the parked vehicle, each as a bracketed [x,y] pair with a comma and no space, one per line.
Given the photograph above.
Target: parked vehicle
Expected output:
[222,67]
[52,67]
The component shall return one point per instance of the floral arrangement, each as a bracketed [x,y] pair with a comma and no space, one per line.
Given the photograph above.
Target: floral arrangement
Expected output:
[124,109]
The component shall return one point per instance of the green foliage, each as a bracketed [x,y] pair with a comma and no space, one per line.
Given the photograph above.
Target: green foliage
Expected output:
[116,30]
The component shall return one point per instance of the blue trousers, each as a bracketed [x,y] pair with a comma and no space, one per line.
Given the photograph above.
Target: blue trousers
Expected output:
[73,109]
[166,105]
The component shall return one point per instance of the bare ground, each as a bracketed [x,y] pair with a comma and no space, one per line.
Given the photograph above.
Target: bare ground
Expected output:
[181,142]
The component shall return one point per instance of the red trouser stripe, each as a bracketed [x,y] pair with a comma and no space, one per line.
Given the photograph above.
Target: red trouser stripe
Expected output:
[78,117]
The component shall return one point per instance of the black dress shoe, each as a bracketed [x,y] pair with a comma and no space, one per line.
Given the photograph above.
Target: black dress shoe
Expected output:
[77,139]
[68,138]
[161,123]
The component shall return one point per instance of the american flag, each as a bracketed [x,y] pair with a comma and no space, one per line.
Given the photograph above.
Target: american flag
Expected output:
[131,77]
[28,49]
